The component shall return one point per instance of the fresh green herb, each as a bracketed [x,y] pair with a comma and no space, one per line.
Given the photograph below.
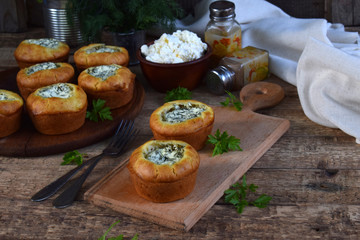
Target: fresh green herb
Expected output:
[237,195]
[121,16]
[223,143]
[120,237]
[232,99]
[99,111]
[73,157]
[178,93]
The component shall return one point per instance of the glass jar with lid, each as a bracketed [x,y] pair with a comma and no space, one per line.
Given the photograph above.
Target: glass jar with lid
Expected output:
[223,32]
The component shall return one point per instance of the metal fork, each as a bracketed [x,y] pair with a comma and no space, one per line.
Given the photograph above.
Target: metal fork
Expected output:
[124,134]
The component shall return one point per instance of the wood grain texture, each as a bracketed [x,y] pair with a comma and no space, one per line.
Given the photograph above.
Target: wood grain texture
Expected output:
[28,142]
[312,172]
[335,11]
[13,16]
[342,11]
[302,9]
[356,10]
[257,134]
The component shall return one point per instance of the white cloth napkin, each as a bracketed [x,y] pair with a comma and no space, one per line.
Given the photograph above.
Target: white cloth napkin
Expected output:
[320,58]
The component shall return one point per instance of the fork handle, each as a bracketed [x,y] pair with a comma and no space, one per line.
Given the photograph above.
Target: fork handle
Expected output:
[55,186]
[67,197]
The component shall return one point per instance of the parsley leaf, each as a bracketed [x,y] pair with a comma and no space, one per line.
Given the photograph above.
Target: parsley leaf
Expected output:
[237,194]
[120,237]
[99,111]
[73,157]
[262,201]
[178,93]
[232,99]
[223,143]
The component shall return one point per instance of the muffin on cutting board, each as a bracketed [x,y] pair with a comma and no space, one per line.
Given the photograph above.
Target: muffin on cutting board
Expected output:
[190,121]
[164,170]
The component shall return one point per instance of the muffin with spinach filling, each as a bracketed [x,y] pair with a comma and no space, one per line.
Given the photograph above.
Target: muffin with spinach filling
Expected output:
[43,74]
[164,171]
[58,108]
[11,108]
[32,51]
[190,121]
[112,83]
[97,54]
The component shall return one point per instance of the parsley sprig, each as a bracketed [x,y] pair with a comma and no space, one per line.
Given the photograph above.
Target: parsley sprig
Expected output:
[223,142]
[73,157]
[178,93]
[237,195]
[233,100]
[99,111]
[120,237]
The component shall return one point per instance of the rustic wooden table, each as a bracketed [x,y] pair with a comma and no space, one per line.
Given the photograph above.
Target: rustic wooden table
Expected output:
[312,174]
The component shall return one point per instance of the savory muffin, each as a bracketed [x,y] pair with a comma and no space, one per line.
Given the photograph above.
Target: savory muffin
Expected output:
[58,108]
[11,107]
[43,74]
[33,51]
[164,171]
[190,121]
[112,83]
[100,54]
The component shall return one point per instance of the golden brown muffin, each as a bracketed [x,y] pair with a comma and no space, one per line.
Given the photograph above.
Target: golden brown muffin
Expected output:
[112,83]
[97,54]
[33,51]
[58,108]
[43,74]
[11,107]
[164,171]
[186,120]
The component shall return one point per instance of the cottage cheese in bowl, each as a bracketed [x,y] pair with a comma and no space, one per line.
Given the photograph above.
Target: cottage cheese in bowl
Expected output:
[179,47]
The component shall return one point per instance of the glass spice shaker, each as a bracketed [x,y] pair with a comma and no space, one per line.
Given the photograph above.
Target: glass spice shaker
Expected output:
[247,65]
[223,32]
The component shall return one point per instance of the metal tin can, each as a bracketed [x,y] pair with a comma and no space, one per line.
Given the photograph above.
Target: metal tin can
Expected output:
[56,24]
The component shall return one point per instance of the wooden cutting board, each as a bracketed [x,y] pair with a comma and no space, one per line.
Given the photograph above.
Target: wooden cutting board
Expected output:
[257,134]
[27,142]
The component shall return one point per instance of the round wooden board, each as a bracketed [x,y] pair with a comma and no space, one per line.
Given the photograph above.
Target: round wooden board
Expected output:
[27,142]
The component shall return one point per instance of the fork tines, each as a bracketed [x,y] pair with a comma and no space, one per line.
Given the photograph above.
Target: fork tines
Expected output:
[124,133]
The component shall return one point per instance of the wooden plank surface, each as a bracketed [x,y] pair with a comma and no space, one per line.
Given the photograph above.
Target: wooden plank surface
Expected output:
[356,11]
[13,16]
[335,11]
[302,9]
[257,134]
[28,142]
[342,11]
[312,173]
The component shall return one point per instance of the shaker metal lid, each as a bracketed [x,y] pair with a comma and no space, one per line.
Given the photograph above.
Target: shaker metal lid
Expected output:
[219,79]
[222,9]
